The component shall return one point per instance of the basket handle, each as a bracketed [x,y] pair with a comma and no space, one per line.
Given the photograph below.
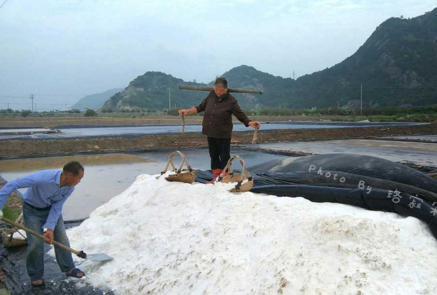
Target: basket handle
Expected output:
[228,169]
[170,162]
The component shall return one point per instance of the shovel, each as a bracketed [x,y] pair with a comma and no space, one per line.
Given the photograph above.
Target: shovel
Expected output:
[81,254]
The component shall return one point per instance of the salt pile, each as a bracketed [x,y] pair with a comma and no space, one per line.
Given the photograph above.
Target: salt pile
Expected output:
[175,238]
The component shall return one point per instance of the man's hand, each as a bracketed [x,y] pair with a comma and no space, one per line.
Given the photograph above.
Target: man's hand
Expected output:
[1,214]
[183,112]
[48,236]
[254,124]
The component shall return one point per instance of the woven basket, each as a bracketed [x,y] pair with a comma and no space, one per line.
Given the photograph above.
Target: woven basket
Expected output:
[8,235]
[244,180]
[10,242]
[180,175]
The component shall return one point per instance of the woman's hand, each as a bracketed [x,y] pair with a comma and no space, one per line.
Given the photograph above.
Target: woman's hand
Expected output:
[183,112]
[254,124]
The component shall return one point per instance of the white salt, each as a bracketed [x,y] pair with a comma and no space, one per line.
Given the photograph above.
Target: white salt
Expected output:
[176,238]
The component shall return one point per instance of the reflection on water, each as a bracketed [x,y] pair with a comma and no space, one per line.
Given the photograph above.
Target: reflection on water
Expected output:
[35,164]
[106,176]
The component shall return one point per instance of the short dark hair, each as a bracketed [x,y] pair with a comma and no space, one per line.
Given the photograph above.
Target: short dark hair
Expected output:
[221,81]
[73,167]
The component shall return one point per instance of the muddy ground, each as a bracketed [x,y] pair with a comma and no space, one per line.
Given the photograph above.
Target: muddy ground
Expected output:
[50,147]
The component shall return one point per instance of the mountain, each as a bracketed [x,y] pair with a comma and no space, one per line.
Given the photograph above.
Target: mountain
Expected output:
[95,101]
[396,66]
[276,90]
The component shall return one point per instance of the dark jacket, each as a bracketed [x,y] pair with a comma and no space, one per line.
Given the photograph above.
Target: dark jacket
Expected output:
[217,120]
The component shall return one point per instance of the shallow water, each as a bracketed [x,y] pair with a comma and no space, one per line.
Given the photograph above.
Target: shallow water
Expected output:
[105,177]
[199,158]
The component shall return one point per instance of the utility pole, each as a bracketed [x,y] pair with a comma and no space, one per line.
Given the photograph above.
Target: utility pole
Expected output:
[8,105]
[361,99]
[294,76]
[31,97]
[169,98]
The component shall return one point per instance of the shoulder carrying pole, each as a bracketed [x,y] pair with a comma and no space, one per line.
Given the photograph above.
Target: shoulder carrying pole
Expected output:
[211,89]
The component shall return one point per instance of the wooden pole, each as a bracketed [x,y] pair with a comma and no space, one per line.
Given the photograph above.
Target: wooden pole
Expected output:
[211,89]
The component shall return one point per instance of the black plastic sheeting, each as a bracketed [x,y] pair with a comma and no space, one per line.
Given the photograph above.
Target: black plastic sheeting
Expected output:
[363,181]
[13,262]
[352,164]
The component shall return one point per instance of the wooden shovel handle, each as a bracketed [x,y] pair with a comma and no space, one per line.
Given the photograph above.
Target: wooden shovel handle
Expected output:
[78,253]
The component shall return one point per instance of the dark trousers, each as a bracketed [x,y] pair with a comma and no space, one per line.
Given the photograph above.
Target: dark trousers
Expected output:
[219,151]
[35,220]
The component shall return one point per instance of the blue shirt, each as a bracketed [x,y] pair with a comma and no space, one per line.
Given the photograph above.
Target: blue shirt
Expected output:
[44,191]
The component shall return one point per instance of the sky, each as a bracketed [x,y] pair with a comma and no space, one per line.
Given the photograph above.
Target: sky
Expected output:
[62,50]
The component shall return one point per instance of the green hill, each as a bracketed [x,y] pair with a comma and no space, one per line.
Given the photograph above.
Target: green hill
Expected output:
[153,90]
